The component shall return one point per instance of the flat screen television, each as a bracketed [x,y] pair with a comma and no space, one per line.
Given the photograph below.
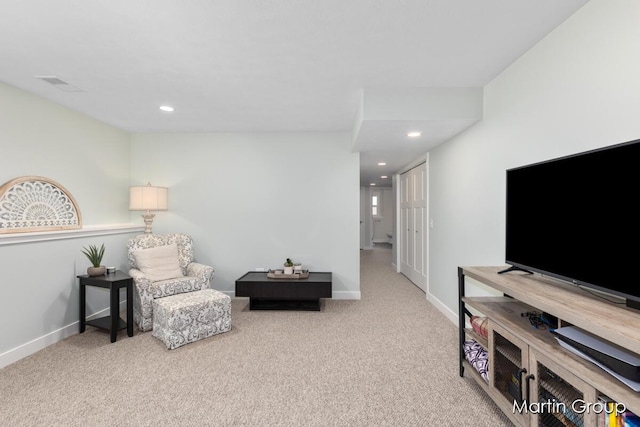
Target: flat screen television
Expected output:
[576,218]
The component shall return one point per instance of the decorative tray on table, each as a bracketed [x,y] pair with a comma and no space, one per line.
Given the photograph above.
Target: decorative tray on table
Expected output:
[279,274]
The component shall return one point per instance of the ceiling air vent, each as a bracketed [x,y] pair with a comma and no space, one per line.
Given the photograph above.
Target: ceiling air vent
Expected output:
[57,82]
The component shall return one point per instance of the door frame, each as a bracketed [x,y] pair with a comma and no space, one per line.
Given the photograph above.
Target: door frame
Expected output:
[366,221]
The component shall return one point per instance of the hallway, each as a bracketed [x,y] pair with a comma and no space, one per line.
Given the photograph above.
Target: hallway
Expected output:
[410,336]
[378,261]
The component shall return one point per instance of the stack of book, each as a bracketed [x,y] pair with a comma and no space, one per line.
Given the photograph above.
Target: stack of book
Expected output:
[614,415]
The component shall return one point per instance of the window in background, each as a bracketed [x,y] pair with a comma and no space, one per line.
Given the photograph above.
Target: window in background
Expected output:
[376,204]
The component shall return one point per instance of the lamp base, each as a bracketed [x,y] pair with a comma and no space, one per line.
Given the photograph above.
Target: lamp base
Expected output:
[148,220]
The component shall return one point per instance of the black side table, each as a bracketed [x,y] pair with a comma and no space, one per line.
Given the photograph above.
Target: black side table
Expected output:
[113,323]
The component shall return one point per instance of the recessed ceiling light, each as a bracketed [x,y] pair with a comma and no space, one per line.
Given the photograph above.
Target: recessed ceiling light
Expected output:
[382,164]
[414,134]
[373,183]
[167,108]
[383,176]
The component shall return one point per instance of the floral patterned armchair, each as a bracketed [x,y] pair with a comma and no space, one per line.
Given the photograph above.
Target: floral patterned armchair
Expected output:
[194,276]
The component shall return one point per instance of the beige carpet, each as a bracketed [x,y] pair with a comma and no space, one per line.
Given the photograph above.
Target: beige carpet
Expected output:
[389,359]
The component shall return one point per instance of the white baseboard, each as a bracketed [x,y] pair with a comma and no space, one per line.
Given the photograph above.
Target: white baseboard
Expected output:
[24,350]
[443,309]
[345,295]
[27,349]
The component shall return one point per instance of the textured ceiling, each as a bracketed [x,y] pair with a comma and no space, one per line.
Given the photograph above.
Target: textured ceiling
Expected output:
[256,66]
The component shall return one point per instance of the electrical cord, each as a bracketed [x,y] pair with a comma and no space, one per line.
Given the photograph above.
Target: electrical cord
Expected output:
[537,319]
[590,291]
[595,294]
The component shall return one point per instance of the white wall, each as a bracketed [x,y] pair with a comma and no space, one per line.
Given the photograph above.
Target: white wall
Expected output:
[39,303]
[577,89]
[90,159]
[249,200]
[252,200]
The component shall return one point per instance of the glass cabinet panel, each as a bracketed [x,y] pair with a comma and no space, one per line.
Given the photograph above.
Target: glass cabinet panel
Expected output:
[508,368]
[556,397]
[556,393]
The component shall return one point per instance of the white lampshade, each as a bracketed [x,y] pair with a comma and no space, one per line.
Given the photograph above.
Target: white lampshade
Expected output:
[148,198]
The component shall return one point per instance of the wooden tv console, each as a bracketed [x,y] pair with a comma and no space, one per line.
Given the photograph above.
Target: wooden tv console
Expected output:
[531,359]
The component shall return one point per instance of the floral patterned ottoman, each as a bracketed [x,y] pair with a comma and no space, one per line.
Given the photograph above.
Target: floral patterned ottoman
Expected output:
[185,318]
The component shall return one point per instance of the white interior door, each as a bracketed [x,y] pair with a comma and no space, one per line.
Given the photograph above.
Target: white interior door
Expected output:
[405,239]
[362,213]
[413,220]
[419,207]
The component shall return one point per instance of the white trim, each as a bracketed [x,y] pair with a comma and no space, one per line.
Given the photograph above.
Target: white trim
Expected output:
[396,226]
[87,231]
[451,315]
[345,295]
[413,164]
[427,226]
[33,346]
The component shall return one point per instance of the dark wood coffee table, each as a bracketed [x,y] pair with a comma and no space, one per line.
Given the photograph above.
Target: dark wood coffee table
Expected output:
[284,294]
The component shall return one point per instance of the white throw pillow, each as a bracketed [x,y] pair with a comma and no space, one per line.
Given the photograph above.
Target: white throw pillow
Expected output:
[159,263]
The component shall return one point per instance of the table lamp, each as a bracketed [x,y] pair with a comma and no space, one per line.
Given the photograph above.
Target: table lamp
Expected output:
[148,198]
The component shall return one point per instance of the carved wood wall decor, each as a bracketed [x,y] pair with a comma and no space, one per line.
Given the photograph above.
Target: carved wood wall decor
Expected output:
[35,203]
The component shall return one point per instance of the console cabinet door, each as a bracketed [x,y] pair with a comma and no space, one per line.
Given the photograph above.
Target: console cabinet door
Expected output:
[508,368]
[559,395]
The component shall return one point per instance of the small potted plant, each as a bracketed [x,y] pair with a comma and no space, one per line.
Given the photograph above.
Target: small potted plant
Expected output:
[288,266]
[95,254]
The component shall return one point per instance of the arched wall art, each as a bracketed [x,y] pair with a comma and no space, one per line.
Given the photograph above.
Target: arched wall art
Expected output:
[35,203]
